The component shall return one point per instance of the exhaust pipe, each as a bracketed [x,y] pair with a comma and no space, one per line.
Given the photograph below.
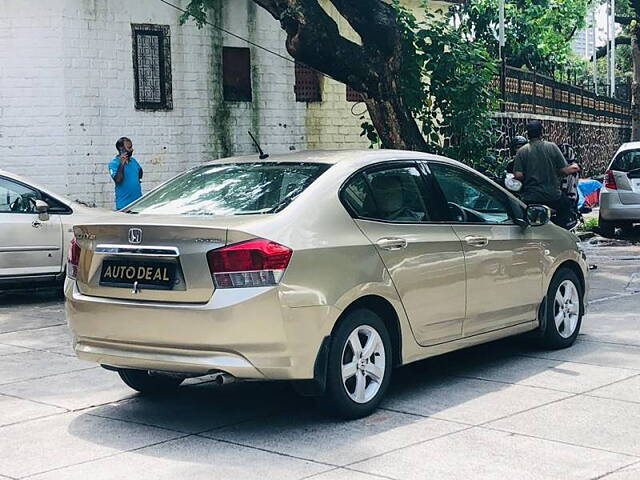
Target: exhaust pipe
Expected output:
[224,378]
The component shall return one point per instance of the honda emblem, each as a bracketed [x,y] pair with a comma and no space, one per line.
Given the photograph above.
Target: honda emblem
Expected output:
[135,235]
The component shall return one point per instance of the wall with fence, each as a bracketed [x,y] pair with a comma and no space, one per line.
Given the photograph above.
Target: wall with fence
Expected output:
[594,125]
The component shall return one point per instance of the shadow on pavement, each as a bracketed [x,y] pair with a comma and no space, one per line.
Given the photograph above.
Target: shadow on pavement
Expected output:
[271,416]
[40,296]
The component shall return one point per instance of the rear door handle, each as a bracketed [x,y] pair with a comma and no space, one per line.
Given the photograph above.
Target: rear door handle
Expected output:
[476,241]
[392,243]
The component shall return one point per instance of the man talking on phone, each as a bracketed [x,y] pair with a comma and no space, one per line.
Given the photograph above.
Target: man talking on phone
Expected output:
[126,173]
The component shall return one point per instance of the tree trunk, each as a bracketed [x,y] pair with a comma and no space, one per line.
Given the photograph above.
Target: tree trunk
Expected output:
[372,67]
[635,86]
[395,125]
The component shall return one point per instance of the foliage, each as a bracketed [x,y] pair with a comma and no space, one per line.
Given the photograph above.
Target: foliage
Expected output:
[446,84]
[591,224]
[538,33]
[197,10]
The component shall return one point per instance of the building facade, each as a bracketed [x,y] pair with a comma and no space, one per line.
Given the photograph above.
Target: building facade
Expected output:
[75,75]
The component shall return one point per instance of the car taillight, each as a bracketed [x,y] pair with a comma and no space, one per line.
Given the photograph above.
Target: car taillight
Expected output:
[73,259]
[610,180]
[254,263]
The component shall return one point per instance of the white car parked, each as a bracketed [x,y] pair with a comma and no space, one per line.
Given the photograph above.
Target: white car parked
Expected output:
[35,230]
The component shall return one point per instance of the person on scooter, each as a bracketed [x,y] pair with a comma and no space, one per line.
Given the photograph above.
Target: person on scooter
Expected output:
[539,166]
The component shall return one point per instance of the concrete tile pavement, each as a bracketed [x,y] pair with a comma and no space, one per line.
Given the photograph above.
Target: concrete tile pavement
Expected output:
[481,453]
[311,435]
[15,410]
[506,410]
[191,458]
[70,438]
[631,472]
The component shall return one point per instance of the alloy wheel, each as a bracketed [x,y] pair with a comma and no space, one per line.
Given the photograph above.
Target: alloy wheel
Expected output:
[363,364]
[566,308]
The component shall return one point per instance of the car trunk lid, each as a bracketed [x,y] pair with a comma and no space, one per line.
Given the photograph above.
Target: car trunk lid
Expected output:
[157,258]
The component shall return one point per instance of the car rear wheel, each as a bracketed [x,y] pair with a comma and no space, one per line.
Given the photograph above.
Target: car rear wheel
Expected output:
[359,365]
[606,228]
[627,228]
[564,310]
[146,382]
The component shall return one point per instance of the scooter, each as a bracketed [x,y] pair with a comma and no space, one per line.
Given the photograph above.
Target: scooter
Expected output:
[568,187]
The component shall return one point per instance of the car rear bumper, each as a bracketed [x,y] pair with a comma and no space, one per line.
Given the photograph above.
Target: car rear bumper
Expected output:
[612,209]
[243,332]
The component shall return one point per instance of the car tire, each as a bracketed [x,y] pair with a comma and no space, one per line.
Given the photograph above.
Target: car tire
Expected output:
[606,228]
[563,310]
[357,382]
[144,382]
[627,228]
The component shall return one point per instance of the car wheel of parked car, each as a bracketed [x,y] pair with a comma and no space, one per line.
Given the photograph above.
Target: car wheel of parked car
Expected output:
[606,228]
[144,382]
[564,310]
[359,365]
[627,228]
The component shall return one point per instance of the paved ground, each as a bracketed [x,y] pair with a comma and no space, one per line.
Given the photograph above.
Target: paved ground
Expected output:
[498,411]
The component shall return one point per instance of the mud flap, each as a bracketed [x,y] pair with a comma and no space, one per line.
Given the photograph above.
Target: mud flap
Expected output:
[316,386]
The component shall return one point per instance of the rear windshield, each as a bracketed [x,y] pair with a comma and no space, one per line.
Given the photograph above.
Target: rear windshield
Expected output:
[626,161]
[231,189]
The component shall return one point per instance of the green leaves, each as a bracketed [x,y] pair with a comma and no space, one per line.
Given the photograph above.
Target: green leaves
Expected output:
[369,130]
[446,83]
[538,33]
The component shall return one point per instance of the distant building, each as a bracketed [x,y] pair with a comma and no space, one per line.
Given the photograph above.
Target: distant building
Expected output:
[582,43]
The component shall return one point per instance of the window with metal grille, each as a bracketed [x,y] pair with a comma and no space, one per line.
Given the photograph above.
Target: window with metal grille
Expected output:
[152,66]
[354,95]
[307,85]
[236,74]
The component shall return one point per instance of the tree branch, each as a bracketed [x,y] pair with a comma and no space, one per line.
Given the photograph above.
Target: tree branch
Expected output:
[602,51]
[373,20]
[313,38]
[623,20]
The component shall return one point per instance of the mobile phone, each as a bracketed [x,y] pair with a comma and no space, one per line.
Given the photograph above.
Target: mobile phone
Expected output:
[124,151]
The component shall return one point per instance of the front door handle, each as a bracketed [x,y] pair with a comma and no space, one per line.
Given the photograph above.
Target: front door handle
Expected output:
[392,243]
[476,241]
[36,224]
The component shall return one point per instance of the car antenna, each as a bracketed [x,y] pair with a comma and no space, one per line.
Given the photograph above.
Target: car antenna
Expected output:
[263,155]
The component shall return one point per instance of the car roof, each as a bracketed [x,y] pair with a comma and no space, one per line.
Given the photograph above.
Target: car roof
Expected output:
[629,146]
[334,156]
[26,181]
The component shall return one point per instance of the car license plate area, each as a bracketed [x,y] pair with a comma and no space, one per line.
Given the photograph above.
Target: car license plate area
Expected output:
[635,184]
[148,274]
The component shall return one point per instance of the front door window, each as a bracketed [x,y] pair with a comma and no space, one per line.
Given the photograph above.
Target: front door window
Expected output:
[471,199]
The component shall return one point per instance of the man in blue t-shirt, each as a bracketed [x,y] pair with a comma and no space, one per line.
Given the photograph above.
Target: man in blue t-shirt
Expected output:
[126,172]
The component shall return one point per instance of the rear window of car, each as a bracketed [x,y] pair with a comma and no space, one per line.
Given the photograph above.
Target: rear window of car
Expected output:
[231,189]
[626,161]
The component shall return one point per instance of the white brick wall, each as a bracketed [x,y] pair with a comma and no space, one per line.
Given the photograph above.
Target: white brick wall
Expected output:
[67,94]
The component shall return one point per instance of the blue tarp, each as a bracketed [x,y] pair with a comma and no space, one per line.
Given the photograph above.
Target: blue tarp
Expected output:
[585,187]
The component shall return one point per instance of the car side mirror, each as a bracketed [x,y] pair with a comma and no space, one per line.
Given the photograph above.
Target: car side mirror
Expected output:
[42,208]
[538,215]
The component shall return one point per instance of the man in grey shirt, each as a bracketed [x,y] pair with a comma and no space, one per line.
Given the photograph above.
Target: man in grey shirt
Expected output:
[539,165]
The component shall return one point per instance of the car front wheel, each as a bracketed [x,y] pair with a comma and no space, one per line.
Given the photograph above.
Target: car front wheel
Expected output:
[564,309]
[359,365]
[145,382]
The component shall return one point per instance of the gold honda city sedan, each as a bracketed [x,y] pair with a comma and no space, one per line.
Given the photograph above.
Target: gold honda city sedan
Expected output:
[325,268]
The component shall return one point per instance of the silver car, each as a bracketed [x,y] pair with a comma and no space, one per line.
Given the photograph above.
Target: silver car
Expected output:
[35,230]
[620,194]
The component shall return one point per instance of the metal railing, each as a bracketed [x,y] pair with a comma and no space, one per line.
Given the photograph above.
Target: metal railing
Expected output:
[525,91]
